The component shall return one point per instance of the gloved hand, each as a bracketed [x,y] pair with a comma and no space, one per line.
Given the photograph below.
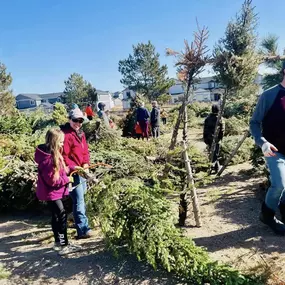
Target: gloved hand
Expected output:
[71,179]
[268,149]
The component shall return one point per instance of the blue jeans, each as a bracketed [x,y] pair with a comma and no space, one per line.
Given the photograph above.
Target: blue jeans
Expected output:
[275,193]
[79,209]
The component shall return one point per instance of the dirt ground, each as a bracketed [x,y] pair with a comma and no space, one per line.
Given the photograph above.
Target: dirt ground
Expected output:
[231,232]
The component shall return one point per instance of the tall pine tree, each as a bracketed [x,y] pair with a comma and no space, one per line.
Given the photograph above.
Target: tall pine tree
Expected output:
[142,72]
[236,62]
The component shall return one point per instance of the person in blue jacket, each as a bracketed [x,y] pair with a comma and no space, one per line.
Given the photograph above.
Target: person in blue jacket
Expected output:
[267,127]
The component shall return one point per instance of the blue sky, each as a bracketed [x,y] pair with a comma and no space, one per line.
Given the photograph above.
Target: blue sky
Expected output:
[43,41]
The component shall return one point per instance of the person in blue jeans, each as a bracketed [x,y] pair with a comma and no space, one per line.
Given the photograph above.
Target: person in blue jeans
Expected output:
[76,156]
[267,127]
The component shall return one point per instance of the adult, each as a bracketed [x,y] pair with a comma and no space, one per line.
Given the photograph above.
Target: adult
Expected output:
[102,115]
[142,119]
[208,135]
[89,112]
[155,119]
[267,127]
[76,156]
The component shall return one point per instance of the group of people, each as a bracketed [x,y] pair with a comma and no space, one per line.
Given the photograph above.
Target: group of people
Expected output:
[64,152]
[144,119]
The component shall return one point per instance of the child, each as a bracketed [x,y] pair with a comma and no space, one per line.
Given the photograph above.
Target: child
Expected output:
[52,186]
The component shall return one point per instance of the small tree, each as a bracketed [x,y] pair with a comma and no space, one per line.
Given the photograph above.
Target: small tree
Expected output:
[269,47]
[7,100]
[164,99]
[236,61]
[78,90]
[143,73]
[189,63]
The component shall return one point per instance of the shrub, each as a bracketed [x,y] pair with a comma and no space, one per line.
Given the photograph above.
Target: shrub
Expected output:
[59,114]
[243,154]
[17,124]
[234,126]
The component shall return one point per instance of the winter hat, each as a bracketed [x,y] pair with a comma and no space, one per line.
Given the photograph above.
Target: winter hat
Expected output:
[76,114]
[74,106]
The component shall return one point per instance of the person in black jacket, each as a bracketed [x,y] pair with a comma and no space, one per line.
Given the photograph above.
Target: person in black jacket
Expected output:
[208,135]
[155,119]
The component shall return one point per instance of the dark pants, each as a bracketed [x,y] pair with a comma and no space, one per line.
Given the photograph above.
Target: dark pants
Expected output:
[155,131]
[144,128]
[215,161]
[58,221]
[163,121]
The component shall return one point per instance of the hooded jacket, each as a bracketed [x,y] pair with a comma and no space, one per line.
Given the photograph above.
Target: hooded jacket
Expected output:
[47,188]
[75,148]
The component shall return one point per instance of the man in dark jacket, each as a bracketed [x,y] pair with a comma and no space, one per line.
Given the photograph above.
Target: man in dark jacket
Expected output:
[208,135]
[142,119]
[155,119]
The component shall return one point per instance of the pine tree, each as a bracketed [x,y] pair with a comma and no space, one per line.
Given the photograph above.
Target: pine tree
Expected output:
[236,61]
[142,72]
[269,47]
[7,100]
[78,90]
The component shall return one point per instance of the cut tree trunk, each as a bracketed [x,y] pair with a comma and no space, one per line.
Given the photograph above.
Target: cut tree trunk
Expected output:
[191,185]
[233,153]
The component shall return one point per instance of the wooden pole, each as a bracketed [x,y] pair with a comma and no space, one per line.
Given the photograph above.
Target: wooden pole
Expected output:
[233,153]
[191,184]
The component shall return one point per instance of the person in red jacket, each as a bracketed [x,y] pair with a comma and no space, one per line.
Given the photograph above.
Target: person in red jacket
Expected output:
[89,112]
[76,156]
[52,186]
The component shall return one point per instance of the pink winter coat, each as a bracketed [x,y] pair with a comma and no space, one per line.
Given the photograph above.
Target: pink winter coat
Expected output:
[47,188]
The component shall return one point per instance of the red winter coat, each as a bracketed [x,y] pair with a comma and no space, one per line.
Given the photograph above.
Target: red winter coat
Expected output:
[75,148]
[47,188]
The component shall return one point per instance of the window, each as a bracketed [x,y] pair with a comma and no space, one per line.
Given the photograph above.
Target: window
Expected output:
[33,102]
[128,94]
[43,101]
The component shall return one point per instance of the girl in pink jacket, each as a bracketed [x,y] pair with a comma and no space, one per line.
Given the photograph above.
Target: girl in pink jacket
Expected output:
[52,186]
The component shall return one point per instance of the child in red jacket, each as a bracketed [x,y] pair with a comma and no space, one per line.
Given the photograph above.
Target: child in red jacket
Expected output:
[52,186]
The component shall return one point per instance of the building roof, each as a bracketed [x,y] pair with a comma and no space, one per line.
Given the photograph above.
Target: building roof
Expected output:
[33,96]
[101,92]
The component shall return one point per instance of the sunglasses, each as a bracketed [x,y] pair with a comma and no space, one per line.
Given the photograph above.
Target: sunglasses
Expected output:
[78,121]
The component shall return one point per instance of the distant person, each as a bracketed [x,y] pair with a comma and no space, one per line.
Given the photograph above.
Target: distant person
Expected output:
[74,106]
[267,127]
[111,123]
[76,156]
[155,119]
[102,115]
[208,135]
[163,116]
[89,112]
[142,119]
[52,186]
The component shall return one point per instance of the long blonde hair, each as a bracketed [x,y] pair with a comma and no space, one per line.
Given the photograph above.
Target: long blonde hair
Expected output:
[53,138]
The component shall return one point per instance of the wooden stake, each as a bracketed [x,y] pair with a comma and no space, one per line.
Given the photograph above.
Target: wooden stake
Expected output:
[191,184]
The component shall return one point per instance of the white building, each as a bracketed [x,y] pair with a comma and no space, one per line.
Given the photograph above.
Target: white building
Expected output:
[106,98]
[127,95]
